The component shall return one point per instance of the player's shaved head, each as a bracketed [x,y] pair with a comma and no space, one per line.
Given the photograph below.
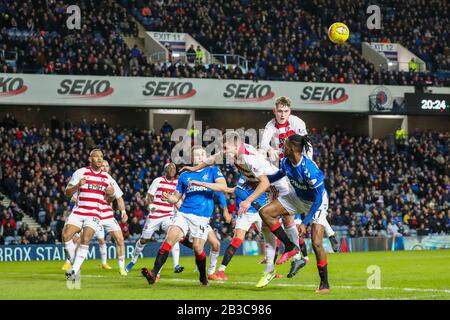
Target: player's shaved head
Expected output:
[170,169]
[95,151]
[96,159]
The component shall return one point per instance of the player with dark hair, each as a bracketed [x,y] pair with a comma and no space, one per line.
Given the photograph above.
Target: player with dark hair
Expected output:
[310,196]
[160,215]
[254,167]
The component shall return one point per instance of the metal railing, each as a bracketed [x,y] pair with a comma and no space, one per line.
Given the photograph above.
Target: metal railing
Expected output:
[404,65]
[224,59]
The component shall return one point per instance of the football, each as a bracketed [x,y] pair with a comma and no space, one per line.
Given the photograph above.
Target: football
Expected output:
[338,32]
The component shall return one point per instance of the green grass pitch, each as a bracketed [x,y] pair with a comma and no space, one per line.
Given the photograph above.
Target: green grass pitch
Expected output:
[404,275]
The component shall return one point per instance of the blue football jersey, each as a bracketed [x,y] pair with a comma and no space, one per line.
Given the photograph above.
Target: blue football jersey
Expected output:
[198,200]
[306,178]
[241,193]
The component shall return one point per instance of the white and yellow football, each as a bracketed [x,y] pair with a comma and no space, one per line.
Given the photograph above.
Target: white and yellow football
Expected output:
[338,32]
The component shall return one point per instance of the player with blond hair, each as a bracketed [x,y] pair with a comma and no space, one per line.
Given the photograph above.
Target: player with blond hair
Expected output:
[276,131]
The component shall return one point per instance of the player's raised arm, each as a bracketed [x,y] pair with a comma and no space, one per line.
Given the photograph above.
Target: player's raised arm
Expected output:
[210,161]
[220,185]
[265,144]
[276,176]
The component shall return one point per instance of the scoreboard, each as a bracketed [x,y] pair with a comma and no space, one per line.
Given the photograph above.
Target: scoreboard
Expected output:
[427,104]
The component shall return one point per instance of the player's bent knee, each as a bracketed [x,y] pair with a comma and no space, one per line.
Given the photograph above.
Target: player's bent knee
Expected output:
[317,244]
[119,240]
[197,249]
[215,246]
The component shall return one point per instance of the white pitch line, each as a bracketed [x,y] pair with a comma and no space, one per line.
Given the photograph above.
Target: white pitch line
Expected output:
[249,283]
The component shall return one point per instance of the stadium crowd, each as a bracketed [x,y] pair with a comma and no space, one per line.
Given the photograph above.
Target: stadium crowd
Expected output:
[283,40]
[418,25]
[287,40]
[376,187]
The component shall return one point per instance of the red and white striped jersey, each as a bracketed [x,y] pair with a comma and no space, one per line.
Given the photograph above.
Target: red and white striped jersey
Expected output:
[162,208]
[275,134]
[252,164]
[90,197]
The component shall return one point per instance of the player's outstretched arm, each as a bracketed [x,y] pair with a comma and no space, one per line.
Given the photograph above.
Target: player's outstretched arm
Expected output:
[276,176]
[208,163]
[263,185]
[220,185]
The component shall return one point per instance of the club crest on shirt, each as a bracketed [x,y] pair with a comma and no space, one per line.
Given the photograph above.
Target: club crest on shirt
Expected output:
[205,177]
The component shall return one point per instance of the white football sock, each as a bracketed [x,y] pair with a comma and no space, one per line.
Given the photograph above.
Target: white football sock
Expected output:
[292,233]
[103,254]
[213,257]
[80,256]
[137,251]
[70,248]
[176,254]
[271,247]
[121,261]
[222,268]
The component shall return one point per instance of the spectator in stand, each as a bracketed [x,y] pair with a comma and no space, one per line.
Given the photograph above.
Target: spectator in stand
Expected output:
[199,55]
[190,54]
[166,128]
[408,185]
[393,230]
[8,230]
[134,227]
[135,52]
[8,219]
[412,65]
